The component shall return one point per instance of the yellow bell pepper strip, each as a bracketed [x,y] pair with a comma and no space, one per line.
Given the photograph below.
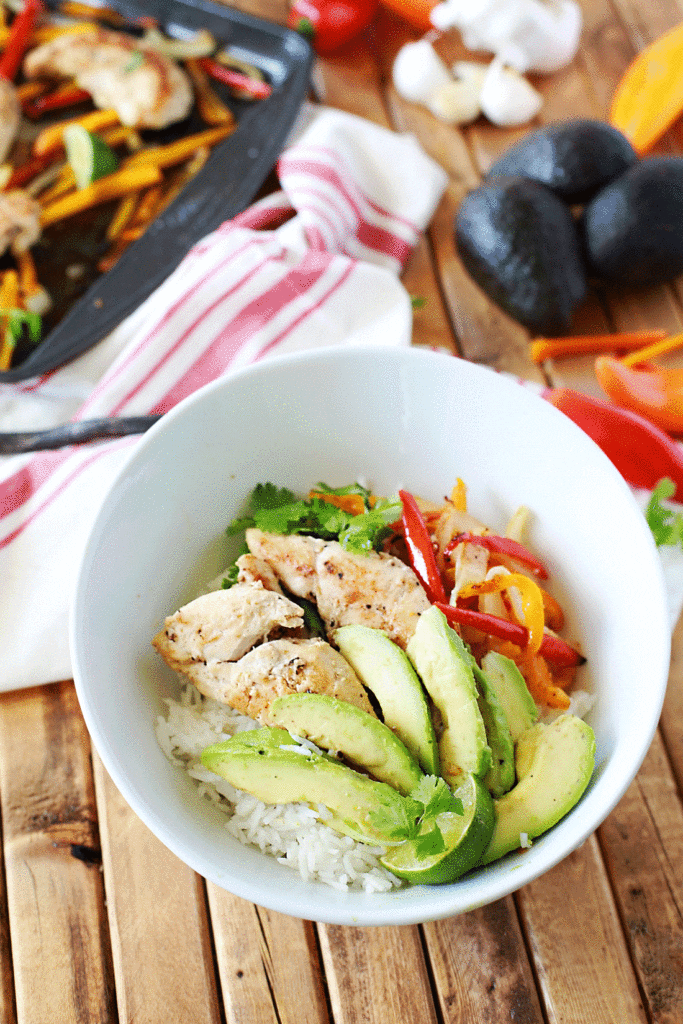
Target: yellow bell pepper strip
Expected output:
[459,496]
[560,348]
[122,216]
[112,186]
[50,140]
[19,38]
[649,97]
[657,348]
[420,548]
[656,394]
[182,149]
[532,601]
[552,648]
[9,299]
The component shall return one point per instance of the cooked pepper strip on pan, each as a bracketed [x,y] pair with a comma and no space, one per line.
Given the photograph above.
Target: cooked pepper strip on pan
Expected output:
[101,191]
[19,38]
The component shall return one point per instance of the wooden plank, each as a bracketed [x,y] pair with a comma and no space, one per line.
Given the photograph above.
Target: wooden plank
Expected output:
[55,897]
[268,964]
[574,934]
[671,722]
[642,842]
[161,941]
[376,975]
[480,967]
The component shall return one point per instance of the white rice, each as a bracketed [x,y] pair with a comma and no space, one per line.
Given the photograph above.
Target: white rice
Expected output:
[295,834]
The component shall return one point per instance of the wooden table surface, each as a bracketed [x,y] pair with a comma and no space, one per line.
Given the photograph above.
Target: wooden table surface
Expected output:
[99,922]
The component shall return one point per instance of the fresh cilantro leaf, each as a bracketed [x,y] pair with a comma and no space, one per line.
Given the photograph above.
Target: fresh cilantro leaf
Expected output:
[230,578]
[366,532]
[428,844]
[267,496]
[396,826]
[436,797]
[666,525]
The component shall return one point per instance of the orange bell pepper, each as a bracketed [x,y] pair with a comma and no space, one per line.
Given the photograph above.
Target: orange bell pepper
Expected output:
[649,97]
[653,392]
[415,12]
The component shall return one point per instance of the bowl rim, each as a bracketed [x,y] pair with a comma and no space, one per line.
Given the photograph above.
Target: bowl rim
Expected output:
[428,903]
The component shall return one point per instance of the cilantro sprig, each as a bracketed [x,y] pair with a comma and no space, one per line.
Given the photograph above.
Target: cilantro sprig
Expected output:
[666,525]
[430,798]
[278,510]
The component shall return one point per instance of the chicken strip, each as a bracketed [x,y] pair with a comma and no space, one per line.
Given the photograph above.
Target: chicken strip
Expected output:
[223,625]
[254,570]
[10,116]
[373,589]
[144,87]
[19,220]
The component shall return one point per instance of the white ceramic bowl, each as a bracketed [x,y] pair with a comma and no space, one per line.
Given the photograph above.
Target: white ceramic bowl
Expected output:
[397,417]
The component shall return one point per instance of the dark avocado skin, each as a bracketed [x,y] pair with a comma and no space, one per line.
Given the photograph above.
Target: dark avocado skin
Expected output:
[574,159]
[633,228]
[519,242]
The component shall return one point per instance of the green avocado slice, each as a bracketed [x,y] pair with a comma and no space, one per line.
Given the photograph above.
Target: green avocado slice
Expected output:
[554,766]
[261,764]
[443,663]
[339,726]
[386,671]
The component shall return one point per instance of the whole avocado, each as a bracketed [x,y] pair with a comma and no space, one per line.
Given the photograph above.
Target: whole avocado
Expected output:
[574,159]
[520,243]
[633,228]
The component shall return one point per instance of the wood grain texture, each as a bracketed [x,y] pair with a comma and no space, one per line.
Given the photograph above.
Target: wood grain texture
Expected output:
[161,941]
[269,964]
[376,975]
[55,899]
[481,968]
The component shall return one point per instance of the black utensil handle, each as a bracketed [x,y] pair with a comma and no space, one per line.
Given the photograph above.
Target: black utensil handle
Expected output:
[22,442]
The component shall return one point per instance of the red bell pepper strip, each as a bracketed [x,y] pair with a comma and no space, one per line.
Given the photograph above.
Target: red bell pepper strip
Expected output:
[64,97]
[642,452]
[19,38]
[552,647]
[420,548]
[235,79]
[501,546]
[328,24]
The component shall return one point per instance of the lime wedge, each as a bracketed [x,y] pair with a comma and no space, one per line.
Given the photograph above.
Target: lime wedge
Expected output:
[466,837]
[89,156]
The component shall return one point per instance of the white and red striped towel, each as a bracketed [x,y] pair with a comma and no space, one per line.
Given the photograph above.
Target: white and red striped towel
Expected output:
[316,264]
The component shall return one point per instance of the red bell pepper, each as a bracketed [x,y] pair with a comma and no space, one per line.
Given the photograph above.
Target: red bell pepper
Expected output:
[67,96]
[420,548]
[236,80]
[19,38]
[642,452]
[552,647]
[328,24]
[502,546]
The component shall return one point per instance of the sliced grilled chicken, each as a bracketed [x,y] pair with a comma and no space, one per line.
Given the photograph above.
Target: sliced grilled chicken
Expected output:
[256,570]
[10,116]
[19,220]
[223,625]
[145,88]
[375,589]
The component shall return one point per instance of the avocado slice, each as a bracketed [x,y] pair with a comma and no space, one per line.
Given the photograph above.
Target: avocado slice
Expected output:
[443,664]
[554,765]
[512,692]
[501,775]
[385,670]
[337,725]
[256,762]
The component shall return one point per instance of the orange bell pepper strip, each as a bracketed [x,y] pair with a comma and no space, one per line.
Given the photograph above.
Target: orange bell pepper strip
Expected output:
[113,186]
[50,140]
[649,97]
[532,601]
[652,392]
[560,348]
[540,682]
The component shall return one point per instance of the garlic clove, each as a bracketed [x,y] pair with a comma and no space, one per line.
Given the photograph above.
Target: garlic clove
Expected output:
[418,71]
[456,102]
[507,98]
